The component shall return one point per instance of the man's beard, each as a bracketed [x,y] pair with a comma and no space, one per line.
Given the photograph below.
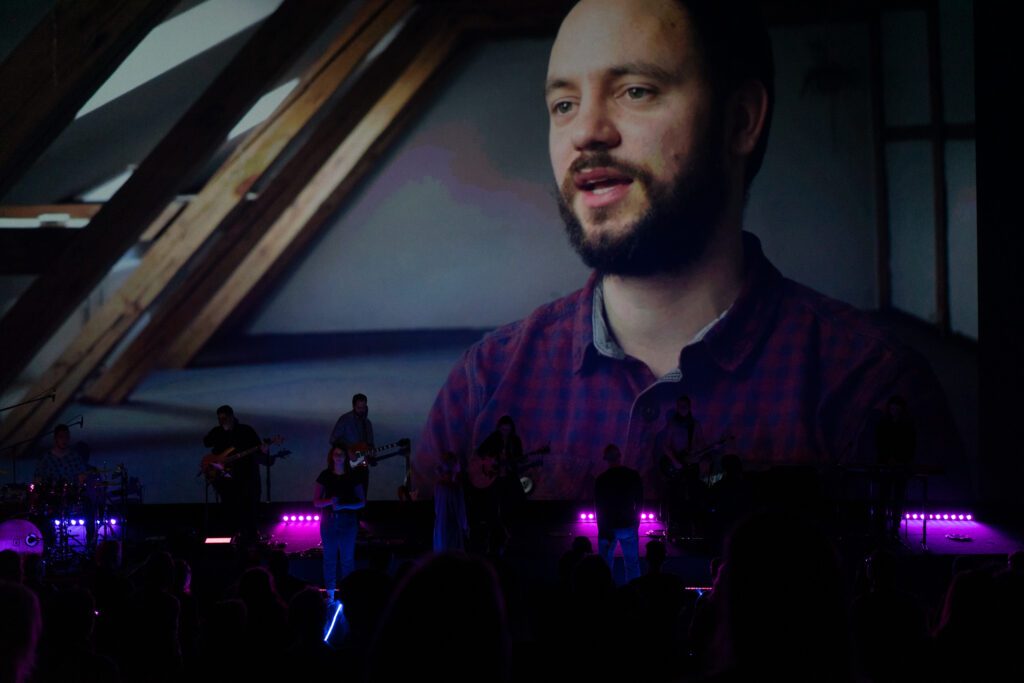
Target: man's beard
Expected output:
[672,233]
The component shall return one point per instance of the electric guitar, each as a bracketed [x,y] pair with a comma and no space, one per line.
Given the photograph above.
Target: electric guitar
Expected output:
[484,470]
[674,465]
[214,465]
[364,455]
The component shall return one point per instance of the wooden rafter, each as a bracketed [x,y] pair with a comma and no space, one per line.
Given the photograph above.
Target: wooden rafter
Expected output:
[222,196]
[58,67]
[318,200]
[244,233]
[188,146]
[37,210]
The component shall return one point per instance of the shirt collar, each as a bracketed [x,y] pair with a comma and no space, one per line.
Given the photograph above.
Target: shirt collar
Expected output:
[729,339]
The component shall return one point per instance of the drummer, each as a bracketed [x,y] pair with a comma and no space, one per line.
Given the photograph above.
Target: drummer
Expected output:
[63,462]
[63,474]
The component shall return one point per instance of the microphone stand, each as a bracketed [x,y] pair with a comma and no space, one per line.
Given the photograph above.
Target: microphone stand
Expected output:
[52,396]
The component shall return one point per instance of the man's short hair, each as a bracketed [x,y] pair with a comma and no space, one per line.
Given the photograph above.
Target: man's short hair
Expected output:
[735,47]
[612,453]
[226,410]
[357,398]
[61,428]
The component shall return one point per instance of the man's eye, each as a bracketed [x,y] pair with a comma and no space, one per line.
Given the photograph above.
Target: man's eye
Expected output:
[637,93]
[562,107]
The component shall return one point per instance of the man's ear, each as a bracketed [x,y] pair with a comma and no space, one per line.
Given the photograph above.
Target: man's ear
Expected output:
[748,110]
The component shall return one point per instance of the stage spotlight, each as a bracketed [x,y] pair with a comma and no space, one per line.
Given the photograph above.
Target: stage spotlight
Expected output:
[316,518]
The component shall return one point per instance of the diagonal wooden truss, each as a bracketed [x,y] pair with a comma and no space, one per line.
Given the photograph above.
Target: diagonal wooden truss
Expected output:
[219,253]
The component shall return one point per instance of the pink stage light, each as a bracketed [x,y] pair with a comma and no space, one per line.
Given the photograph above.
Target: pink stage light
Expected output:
[914,516]
[961,517]
[970,517]
[284,518]
[945,516]
[590,515]
[583,516]
[316,518]
[293,518]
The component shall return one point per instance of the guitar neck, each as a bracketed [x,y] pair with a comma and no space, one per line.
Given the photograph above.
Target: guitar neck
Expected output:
[238,456]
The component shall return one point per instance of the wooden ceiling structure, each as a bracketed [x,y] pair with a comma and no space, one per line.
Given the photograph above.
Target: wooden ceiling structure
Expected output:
[210,258]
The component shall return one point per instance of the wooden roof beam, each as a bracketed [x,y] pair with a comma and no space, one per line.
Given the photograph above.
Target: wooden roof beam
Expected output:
[222,196]
[318,200]
[58,67]
[244,232]
[191,143]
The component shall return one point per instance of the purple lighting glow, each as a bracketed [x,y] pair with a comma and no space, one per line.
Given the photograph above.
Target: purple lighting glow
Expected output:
[941,516]
[288,518]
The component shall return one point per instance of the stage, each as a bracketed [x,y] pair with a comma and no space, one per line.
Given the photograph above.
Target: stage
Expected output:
[403,531]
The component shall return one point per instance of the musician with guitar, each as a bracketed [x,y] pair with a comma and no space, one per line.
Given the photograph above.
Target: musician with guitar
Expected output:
[236,479]
[497,491]
[354,426]
[683,491]
[339,493]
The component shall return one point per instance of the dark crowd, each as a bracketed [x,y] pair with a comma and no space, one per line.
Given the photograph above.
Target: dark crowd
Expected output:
[782,606]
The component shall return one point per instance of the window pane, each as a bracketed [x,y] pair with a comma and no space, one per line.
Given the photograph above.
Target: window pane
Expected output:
[956,38]
[963,237]
[905,67]
[912,228]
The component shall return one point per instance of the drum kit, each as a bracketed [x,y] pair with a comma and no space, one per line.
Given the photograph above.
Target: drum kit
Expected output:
[63,520]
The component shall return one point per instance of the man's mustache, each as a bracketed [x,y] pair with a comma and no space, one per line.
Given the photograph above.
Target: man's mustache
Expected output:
[600,159]
[603,159]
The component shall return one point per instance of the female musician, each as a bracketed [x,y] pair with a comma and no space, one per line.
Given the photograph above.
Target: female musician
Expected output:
[340,491]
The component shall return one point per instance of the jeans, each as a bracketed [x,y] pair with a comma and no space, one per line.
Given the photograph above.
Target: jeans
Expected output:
[629,538]
[338,536]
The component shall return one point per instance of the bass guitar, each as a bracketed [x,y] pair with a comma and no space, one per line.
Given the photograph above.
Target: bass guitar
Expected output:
[484,470]
[214,466]
[364,455]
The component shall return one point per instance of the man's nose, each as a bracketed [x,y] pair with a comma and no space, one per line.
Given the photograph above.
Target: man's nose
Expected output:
[594,127]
